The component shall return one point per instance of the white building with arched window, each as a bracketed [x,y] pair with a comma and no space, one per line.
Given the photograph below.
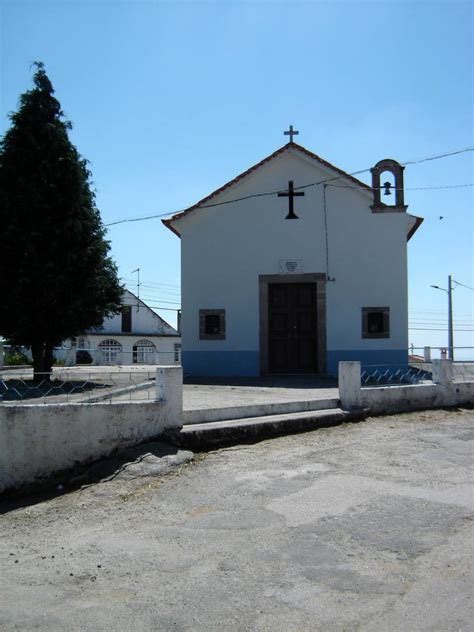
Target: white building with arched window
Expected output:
[135,336]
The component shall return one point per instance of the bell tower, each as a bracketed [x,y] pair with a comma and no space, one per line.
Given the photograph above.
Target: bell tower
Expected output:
[396,169]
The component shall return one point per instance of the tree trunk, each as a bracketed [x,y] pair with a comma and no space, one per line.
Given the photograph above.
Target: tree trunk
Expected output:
[48,358]
[42,361]
[37,349]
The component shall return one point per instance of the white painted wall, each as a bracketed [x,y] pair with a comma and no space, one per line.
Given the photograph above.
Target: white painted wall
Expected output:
[224,250]
[391,399]
[36,441]
[144,319]
[164,345]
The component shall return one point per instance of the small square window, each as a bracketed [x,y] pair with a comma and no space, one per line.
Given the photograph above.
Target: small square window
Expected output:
[375,322]
[212,324]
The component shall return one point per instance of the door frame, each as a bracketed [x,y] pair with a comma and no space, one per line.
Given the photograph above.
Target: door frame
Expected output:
[264,280]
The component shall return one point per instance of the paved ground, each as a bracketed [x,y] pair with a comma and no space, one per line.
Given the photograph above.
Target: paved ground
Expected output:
[217,393]
[214,393]
[360,527]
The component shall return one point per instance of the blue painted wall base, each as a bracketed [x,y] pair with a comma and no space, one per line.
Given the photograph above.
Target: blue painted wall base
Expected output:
[246,363]
[221,363]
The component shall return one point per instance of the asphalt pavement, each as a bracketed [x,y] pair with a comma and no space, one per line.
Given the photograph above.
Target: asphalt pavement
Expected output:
[363,526]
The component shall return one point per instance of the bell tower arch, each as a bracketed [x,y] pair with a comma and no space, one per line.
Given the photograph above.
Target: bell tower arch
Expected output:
[396,169]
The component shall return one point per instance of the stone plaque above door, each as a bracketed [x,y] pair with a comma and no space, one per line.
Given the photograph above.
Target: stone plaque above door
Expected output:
[291,266]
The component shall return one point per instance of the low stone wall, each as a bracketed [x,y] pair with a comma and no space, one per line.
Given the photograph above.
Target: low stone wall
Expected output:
[36,441]
[390,399]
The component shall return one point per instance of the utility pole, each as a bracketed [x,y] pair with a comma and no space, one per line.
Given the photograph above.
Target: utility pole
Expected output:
[138,287]
[449,292]
[450,320]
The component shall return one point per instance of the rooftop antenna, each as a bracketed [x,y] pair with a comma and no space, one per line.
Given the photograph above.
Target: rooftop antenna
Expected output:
[138,287]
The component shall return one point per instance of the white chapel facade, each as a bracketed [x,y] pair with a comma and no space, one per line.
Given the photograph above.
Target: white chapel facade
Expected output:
[312,273]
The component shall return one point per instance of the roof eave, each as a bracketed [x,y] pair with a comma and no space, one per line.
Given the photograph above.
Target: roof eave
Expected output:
[415,227]
[169,224]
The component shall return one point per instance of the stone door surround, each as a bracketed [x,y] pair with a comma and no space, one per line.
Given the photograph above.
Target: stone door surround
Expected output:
[320,280]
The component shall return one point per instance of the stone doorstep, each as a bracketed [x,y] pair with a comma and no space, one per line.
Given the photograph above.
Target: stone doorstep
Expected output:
[209,415]
[211,435]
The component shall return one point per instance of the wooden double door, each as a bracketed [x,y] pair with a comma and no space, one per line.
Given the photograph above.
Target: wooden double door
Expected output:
[292,328]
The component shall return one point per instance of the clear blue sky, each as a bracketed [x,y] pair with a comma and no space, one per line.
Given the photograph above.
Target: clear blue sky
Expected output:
[170,100]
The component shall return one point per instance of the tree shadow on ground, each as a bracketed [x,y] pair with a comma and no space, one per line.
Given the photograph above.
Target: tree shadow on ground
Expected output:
[105,469]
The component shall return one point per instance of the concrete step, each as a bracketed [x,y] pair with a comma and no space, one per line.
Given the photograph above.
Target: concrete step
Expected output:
[257,410]
[210,435]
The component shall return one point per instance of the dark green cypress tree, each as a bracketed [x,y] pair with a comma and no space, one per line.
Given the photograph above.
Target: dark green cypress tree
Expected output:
[56,277]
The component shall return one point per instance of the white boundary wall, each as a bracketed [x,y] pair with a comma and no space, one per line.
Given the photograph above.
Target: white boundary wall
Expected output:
[36,441]
[390,399]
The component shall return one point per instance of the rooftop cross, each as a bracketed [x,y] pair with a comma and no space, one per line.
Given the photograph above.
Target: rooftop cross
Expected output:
[290,194]
[291,133]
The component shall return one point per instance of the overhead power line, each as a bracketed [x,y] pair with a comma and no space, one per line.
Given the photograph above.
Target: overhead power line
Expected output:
[154,284]
[146,299]
[304,186]
[437,157]
[438,323]
[462,284]
[447,186]
[166,309]
[163,301]
[155,290]
[440,329]
[159,292]
[435,311]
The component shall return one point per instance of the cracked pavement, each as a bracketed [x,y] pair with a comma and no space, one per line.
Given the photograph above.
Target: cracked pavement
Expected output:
[363,526]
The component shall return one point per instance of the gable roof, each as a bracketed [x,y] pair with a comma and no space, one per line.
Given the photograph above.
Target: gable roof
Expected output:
[169,329]
[168,222]
[163,328]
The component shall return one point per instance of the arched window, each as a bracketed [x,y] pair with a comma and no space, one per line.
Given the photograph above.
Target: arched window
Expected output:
[144,352]
[110,352]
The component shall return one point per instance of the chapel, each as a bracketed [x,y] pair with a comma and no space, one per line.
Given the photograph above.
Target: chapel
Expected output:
[293,266]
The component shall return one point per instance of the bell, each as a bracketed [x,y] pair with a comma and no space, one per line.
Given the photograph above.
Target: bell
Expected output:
[387,187]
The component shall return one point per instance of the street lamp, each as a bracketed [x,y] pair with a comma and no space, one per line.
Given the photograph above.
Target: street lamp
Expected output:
[449,292]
